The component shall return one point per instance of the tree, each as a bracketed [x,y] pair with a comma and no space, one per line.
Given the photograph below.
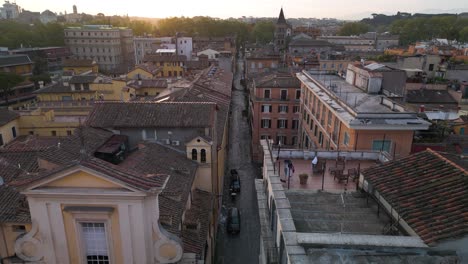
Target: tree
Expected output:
[464,34]
[353,28]
[7,82]
[263,32]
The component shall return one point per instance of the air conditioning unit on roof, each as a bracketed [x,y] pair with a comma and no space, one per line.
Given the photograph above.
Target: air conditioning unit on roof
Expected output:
[168,141]
[176,143]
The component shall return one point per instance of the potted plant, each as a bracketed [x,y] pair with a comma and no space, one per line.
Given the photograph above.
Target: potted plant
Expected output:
[303,178]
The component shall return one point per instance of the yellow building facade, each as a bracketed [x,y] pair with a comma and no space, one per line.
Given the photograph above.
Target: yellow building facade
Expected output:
[46,123]
[9,126]
[87,200]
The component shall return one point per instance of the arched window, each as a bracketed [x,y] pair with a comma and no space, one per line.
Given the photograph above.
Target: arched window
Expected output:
[194,154]
[203,156]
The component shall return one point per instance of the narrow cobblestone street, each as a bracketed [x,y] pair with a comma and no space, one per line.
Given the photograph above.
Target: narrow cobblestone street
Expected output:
[244,247]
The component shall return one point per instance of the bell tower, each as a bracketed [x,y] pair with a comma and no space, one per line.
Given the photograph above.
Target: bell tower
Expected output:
[282,31]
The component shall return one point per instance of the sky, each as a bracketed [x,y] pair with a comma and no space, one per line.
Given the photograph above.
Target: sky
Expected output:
[350,9]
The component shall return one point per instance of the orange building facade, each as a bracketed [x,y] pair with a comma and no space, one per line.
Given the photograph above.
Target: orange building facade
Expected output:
[336,115]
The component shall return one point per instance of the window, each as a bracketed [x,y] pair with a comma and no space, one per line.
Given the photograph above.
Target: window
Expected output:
[431,67]
[315,131]
[266,94]
[53,133]
[324,66]
[266,123]
[282,123]
[281,139]
[346,138]
[295,124]
[298,94]
[266,108]
[320,139]
[95,243]
[381,145]
[69,133]
[31,132]
[1,140]
[265,137]
[194,154]
[296,109]
[18,228]
[294,140]
[284,95]
[203,156]
[13,132]
[282,109]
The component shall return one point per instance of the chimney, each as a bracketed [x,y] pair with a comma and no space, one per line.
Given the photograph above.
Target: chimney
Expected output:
[421,109]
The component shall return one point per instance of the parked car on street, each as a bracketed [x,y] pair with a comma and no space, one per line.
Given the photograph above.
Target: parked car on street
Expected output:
[233,221]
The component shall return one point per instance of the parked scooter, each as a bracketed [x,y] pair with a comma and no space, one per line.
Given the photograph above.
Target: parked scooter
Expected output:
[233,194]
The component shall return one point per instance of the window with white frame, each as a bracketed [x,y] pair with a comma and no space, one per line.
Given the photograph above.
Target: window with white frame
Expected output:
[95,243]
[266,108]
[282,109]
[296,109]
[282,123]
[266,123]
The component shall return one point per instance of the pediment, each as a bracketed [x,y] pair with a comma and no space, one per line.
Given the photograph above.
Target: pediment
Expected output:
[199,142]
[81,178]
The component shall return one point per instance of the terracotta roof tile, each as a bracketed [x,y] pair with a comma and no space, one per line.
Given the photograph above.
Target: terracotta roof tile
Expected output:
[7,116]
[68,149]
[198,215]
[151,114]
[429,191]
[154,158]
[138,84]
[13,206]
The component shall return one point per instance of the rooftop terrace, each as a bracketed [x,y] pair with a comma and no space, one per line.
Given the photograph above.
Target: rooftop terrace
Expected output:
[345,213]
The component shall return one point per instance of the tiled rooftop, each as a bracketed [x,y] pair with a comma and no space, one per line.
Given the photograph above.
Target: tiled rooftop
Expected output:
[429,191]
[151,114]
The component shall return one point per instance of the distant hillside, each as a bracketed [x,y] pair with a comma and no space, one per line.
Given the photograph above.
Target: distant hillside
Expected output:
[420,27]
[379,20]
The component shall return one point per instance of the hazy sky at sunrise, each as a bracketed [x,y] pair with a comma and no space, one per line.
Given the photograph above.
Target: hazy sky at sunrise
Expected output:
[238,8]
